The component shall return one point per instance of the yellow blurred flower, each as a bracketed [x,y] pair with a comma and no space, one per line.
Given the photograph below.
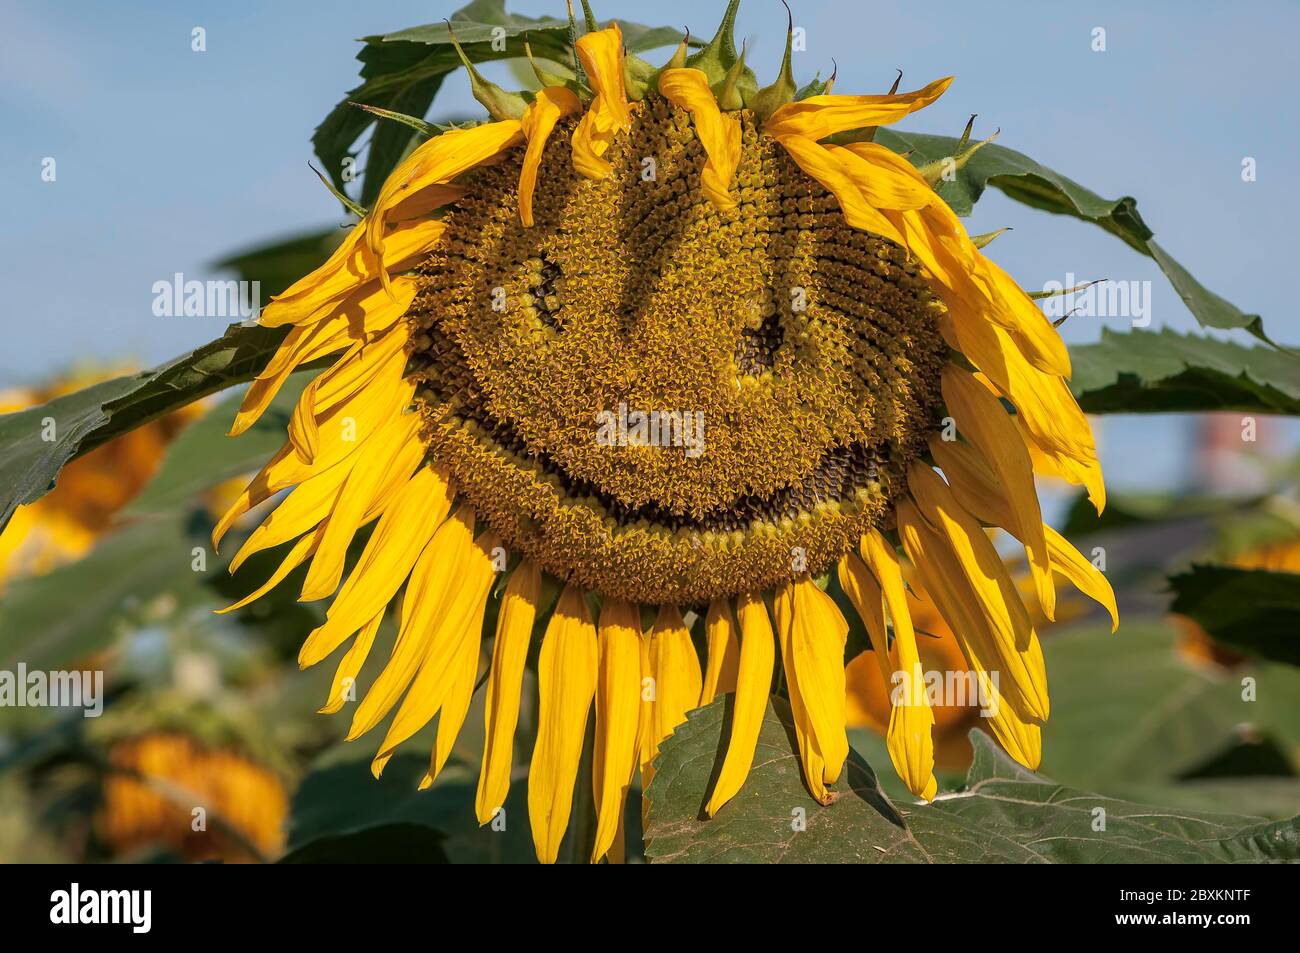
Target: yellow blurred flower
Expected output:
[64,523]
[166,789]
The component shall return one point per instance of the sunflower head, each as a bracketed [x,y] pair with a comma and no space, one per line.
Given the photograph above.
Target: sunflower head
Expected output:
[682,345]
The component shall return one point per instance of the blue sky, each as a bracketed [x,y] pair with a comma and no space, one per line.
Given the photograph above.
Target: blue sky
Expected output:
[168,159]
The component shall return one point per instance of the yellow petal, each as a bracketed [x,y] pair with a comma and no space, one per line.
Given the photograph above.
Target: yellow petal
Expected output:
[546,109]
[869,600]
[976,488]
[601,55]
[345,676]
[405,527]
[350,271]
[566,679]
[810,757]
[982,419]
[819,163]
[974,608]
[435,163]
[753,684]
[393,450]
[1044,402]
[304,431]
[820,116]
[357,319]
[425,603]
[677,675]
[618,706]
[1085,577]
[450,648]
[455,705]
[297,555]
[720,135]
[724,651]
[880,176]
[911,722]
[818,636]
[515,621]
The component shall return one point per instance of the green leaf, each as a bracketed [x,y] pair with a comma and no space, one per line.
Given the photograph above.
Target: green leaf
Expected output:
[1024,180]
[1005,814]
[340,798]
[149,556]
[384,844]
[1253,610]
[1163,371]
[1127,709]
[80,422]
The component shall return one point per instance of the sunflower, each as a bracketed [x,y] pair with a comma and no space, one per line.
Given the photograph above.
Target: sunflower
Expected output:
[63,525]
[713,255]
[156,780]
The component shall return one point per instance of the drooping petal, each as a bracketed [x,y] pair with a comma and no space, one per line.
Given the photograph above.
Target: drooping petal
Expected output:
[601,55]
[869,600]
[983,420]
[618,707]
[395,449]
[675,668]
[753,684]
[450,648]
[390,553]
[810,757]
[965,606]
[819,163]
[817,638]
[460,691]
[911,722]
[976,488]
[434,163]
[424,604]
[343,687]
[724,651]
[297,555]
[515,621]
[350,271]
[566,679]
[547,108]
[817,117]
[877,173]
[718,133]
[358,318]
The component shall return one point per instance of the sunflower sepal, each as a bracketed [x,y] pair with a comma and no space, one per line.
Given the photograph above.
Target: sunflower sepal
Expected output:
[733,91]
[358,210]
[499,103]
[546,78]
[935,172]
[717,57]
[421,126]
[767,100]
